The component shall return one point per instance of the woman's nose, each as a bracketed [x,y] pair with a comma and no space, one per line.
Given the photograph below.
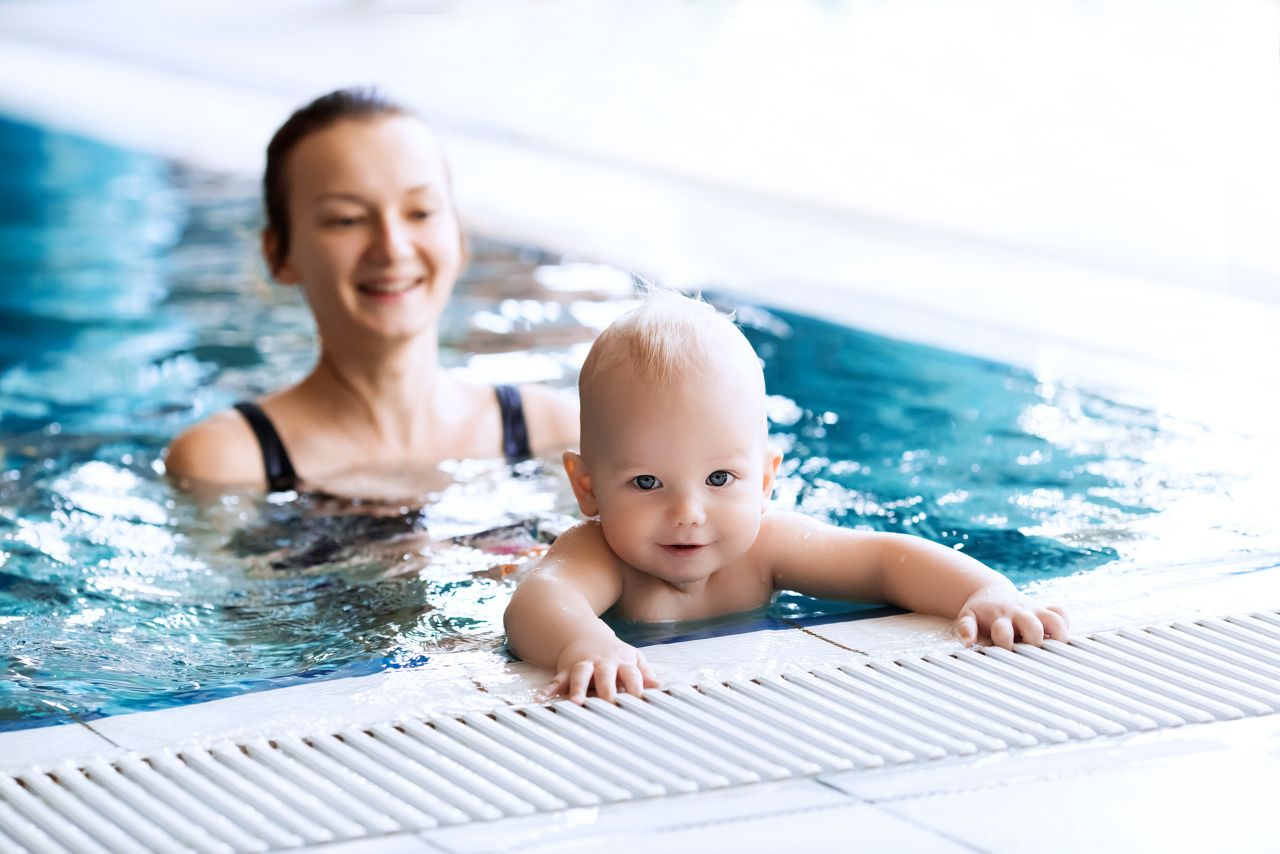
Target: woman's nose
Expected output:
[393,240]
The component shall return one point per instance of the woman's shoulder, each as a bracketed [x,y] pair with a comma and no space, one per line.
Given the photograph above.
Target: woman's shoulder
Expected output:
[551,415]
[222,449]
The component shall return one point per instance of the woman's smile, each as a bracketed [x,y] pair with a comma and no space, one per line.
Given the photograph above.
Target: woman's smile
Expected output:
[388,288]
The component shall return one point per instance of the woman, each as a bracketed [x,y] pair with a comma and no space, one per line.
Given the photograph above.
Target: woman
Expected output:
[360,215]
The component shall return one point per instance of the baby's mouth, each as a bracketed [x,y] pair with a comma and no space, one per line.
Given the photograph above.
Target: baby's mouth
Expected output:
[682,549]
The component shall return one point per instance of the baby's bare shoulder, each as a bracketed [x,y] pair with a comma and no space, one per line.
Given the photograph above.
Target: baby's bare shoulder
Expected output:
[787,535]
[583,545]
[784,527]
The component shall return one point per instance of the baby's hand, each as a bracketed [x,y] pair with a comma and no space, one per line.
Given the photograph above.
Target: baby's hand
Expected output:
[606,667]
[1001,613]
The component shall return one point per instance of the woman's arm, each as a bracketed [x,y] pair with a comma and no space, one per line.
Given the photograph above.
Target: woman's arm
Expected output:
[553,619]
[552,417]
[824,560]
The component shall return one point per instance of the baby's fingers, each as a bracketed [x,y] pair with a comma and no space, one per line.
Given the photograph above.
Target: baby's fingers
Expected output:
[1054,620]
[967,627]
[607,681]
[1029,628]
[580,681]
[650,678]
[630,679]
[553,688]
[1002,632]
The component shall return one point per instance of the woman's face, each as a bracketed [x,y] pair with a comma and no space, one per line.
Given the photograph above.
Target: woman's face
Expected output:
[374,238]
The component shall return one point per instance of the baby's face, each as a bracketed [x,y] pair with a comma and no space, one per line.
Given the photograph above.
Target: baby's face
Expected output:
[680,473]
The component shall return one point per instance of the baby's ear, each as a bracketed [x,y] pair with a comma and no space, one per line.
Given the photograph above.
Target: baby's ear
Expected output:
[580,480]
[771,461]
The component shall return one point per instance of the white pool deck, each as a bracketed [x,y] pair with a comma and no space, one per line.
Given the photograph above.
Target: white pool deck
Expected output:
[611,136]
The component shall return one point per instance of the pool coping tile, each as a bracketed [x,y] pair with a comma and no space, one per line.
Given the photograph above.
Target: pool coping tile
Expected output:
[46,747]
[596,825]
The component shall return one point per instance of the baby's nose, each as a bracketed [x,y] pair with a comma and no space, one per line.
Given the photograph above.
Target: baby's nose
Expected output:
[687,510]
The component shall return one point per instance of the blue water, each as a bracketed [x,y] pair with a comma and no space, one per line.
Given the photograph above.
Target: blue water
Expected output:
[132,305]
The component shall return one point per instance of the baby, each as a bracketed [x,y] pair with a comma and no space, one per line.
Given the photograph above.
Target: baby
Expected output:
[676,465]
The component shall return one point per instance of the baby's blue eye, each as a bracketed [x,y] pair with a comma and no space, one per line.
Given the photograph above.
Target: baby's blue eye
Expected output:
[646,482]
[720,477]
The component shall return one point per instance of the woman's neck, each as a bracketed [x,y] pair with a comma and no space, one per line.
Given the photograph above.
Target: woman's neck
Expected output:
[390,397]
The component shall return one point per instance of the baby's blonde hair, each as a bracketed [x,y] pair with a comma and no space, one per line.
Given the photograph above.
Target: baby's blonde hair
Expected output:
[665,340]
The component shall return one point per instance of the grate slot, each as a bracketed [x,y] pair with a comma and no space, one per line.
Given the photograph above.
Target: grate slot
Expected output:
[158,823]
[1252,623]
[427,809]
[586,770]
[1069,717]
[830,753]
[1252,683]
[1020,731]
[91,822]
[704,731]
[865,681]
[1248,640]
[886,721]
[873,698]
[184,804]
[256,819]
[1206,710]
[304,803]
[1269,619]
[544,718]
[271,807]
[1108,703]
[457,774]
[1054,664]
[18,833]
[602,726]
[486,760]
[462,802]
[1209,644]
[695,762]
[1014,710]
[802,755]
[770,762]
[321,785]
[563,787]
[1177,679]
[845,726]
[352,784]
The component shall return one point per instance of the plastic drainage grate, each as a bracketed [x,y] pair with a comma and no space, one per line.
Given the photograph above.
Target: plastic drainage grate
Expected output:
[295,791]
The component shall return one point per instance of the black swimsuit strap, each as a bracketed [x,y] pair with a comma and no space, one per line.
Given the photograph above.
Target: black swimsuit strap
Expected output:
[279,468]
[275,459]
[515,433]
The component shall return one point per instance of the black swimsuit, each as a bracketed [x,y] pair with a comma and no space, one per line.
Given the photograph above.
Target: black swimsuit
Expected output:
[279,468]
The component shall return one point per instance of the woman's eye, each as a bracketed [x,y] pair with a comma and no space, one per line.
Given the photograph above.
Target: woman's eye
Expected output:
[720,477]
[420,215]
[342,221]
[646,482]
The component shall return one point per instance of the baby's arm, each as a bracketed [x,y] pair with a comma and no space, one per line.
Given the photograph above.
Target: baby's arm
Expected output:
[553,620]
[824,560]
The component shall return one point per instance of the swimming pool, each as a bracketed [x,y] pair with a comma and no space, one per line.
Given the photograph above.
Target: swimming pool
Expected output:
[134,308]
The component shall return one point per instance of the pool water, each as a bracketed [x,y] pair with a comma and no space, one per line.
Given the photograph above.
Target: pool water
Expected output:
[134,306]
